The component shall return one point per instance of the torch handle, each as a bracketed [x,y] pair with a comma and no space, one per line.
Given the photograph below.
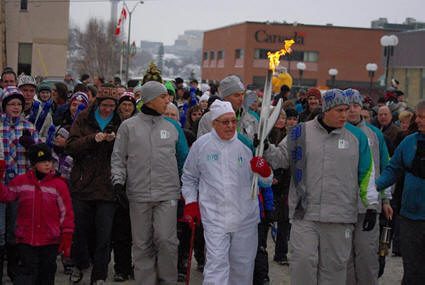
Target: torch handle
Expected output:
[262,126]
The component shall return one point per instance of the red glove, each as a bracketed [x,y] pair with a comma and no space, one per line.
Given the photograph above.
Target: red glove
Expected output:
[259,165]
[2,168]
[65,245]
[192,210]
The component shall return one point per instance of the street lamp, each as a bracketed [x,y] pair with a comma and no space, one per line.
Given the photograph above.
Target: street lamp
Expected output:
[388,42]
[333,72]
[301,67]
[371,68]
[128,37]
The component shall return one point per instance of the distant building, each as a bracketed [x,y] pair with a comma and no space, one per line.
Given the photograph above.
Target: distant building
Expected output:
[149,46]
[408,64]
[190,39]
[242,48]
[408,24]
[37,36]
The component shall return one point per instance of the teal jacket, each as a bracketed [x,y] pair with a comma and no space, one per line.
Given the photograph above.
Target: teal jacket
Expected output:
[413,198]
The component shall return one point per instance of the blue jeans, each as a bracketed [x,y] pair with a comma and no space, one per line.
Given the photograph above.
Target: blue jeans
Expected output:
[92,237]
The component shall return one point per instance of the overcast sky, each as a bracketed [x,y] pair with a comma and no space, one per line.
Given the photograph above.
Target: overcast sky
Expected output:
[164,20]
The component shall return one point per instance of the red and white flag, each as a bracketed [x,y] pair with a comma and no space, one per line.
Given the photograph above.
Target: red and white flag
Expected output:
[123,17]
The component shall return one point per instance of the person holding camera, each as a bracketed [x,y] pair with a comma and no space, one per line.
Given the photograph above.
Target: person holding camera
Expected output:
[90,143]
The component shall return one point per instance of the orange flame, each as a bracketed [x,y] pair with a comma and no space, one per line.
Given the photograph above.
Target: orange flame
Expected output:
[274,58]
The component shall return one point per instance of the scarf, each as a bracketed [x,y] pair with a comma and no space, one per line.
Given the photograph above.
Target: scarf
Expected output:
[102,122]
[298,163]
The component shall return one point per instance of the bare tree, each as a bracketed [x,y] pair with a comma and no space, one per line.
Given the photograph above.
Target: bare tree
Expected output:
[95,50]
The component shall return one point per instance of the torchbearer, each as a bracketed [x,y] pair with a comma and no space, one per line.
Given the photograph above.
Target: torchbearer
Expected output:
[331,164]
[217,174]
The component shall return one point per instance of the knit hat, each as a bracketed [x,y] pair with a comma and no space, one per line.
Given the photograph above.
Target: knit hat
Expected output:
[250,97]
[230,85]
[354,96]
[170,88]
[26,80]
[39,152]
[108,92]
[204,97]
[333,98]
[9,93]
[314,92]
[62,132]
[43,87]
[151,90]
[81,97]
[219,108]
[127,96]
[291,113]
[205,87]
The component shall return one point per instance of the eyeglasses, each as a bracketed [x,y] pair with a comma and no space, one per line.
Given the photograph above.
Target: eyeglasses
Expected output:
[227,122]
[14,104]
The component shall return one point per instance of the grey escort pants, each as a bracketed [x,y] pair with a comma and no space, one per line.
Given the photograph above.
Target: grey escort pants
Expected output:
[154,232]
[363,265]
[319,252]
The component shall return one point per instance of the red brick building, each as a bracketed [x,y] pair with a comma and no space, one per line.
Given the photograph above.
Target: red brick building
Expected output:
[242,49]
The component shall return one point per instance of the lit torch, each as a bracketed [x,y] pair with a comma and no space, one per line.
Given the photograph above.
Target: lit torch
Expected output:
[268,120]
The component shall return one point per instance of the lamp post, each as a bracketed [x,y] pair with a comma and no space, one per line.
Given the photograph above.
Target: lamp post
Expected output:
[371,68]
[301,67]
[130,12]
[388,42]
[333,72]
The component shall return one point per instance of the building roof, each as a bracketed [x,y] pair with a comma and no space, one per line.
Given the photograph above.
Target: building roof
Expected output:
[296,24]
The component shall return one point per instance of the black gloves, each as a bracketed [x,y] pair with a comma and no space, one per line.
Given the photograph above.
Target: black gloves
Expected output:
[369,220]
[256,142]
[26,139]
[120,195]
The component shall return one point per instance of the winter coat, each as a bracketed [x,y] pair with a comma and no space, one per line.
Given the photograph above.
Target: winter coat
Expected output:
[91,173]
[59,114]
[149,153]
[380,157]
[338,167]
[217,173]
[44,208]
[283,177]
[413,197]
[11,130]
[391,131]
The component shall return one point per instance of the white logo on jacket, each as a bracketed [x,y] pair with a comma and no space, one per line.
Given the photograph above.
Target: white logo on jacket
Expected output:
[343,144]
[165,134]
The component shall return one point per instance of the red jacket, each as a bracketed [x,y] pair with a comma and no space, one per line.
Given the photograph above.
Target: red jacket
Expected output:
[44,208]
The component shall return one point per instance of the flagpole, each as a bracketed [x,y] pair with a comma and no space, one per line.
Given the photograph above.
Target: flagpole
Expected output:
[121,58]
[128,38]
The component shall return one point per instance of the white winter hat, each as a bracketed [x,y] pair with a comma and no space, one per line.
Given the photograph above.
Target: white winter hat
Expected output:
[219,108]
[205,87]
[204,97]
